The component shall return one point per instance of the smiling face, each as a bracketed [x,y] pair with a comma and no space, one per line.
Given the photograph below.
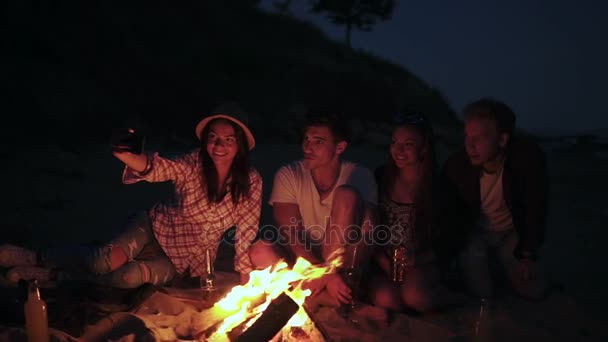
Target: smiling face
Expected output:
[222,144]
[406,147]
[320,147]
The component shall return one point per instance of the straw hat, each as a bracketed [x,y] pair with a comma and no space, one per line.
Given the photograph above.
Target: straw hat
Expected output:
[232,112]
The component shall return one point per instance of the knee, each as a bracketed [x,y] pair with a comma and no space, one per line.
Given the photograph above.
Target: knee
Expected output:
[127,277]
[347,197]
[131,279]
[98,261]
[263,254]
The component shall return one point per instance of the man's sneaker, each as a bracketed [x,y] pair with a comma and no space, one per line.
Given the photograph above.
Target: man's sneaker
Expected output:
[11,255]
[28,273]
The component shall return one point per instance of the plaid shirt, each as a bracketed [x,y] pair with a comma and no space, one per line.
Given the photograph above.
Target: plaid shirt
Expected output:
[189,224]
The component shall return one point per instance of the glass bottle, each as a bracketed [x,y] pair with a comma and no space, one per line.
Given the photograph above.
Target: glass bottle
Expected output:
[351,275]
[36,320]
[483,325]
[207,280]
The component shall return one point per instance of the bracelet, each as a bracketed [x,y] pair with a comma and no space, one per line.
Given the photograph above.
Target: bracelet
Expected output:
[148,167]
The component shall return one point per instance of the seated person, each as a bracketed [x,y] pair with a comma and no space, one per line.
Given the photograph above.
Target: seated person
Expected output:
[215,189]
[317,203]
[495,204]
[406,274]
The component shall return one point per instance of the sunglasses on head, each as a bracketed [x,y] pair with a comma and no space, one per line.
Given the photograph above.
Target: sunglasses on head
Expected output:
[412,119]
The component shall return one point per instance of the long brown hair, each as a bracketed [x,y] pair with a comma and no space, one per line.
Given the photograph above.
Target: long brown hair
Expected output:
[423,198]
[239,170]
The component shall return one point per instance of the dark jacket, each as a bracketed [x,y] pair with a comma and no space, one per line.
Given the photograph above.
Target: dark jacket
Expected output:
[525,190]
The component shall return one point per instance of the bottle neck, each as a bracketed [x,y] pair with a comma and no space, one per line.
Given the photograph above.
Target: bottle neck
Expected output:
[483,307]
[34,290]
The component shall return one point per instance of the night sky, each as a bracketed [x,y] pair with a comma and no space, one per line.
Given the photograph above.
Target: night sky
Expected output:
[545,58]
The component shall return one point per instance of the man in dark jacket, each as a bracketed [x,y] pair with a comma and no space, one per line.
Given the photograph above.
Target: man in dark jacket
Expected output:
[494,203]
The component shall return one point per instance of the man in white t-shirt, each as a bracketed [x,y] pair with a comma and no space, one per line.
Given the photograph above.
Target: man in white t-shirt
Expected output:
[321,203]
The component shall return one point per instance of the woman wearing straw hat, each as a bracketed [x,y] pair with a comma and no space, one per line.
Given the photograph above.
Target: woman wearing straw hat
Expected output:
[215,189]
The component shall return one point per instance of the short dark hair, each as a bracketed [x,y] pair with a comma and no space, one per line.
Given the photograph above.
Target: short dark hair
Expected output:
[331,118]
[489,108]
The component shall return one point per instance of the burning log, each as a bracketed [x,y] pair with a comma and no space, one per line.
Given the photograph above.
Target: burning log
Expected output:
[274,318]
[207,320]
[260,309]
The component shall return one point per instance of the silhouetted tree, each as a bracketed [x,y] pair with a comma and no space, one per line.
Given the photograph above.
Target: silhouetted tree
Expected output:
[361,14]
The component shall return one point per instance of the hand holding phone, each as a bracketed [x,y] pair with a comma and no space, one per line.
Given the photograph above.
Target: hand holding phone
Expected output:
[127,140]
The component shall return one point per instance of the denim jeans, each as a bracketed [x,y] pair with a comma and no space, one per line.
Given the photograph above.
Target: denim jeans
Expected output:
[491,253]
[146,262]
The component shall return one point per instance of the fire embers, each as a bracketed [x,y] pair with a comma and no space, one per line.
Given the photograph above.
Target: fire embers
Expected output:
[270,302]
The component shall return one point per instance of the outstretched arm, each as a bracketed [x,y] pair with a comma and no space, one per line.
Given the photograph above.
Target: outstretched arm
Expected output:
[136,162]
[153,168]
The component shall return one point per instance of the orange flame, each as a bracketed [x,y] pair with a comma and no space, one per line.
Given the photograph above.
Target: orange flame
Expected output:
[266,285]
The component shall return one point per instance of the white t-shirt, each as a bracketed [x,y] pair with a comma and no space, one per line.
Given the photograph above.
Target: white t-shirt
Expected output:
[294,184]
[495,215]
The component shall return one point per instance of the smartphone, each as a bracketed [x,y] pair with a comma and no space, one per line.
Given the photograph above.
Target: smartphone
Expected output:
[127,140]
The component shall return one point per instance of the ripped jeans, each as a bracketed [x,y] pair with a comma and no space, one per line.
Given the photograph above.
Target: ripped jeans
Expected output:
[146,262]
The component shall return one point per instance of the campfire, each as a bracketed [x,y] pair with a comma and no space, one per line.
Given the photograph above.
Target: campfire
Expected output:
[269,306]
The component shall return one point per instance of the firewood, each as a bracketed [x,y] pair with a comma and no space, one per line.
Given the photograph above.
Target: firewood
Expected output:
[274,318]
[207,319]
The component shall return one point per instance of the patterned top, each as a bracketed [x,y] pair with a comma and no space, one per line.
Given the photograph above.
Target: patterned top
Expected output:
[189,224]
[399,219]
